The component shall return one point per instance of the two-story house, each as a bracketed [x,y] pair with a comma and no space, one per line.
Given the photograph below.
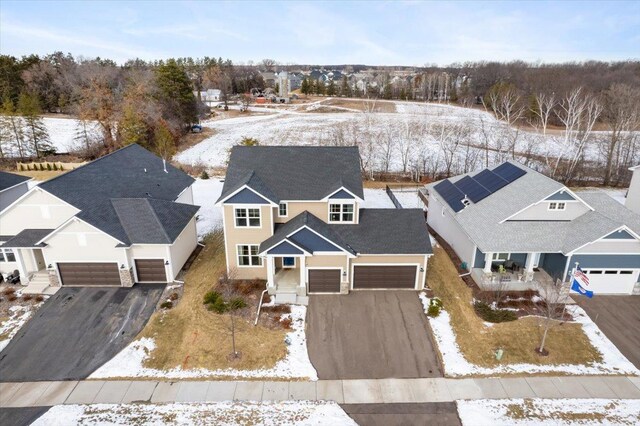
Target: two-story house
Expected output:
[515,227]
[124,218]
[294,216]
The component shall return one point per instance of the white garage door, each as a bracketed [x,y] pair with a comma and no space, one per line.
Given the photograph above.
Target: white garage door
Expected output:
[612,281]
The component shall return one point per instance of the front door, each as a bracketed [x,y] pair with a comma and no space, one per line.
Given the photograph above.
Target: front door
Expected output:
[38,258]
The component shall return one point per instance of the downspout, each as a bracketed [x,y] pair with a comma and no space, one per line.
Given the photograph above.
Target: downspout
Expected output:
[260,304]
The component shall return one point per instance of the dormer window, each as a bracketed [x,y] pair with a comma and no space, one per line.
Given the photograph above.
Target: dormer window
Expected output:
[282,210]
[557,206]
[341,213]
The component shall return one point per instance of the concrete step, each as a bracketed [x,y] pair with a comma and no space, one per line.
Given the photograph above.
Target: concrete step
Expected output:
[290,299]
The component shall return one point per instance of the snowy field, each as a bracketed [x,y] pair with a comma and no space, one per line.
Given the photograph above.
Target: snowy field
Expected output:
[455,364]
[295,365]
[219,413]
[205,194]
[377,199]
[549,412]
[295,126]
[409,199]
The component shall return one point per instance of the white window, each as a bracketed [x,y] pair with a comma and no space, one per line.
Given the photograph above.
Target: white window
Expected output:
[557,206]
[282,210]
[7,255]
[500,256]
[248,255]
[340,212]
[247,217]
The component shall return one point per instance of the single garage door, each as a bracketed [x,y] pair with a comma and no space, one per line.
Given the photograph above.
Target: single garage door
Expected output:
[324,280]
[89,274]
[384,277]
[612,281]
[151,270]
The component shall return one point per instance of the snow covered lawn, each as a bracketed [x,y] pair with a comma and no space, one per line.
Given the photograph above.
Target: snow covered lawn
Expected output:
[409,199]
[548,412]
[219,413]
[295,365]
[377,199]
[205,194]
[455,364]
[14,315]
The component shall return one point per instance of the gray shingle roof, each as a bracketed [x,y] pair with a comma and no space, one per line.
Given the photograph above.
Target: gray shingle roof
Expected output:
[388,231]
[131,172]
[7,180]
[481,221]
[294,172]
[27,238]
[379,231]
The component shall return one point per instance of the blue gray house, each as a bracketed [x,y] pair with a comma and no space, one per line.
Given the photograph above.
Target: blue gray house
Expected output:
[516,227]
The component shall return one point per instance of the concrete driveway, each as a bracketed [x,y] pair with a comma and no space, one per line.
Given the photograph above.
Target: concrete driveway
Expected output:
[370,335]
[619,319]
[76,331]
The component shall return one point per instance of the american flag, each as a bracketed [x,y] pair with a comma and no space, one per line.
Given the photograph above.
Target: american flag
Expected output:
[580,275]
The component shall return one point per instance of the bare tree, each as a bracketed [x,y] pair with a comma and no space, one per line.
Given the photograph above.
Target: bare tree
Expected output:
[550,309]
[544,105]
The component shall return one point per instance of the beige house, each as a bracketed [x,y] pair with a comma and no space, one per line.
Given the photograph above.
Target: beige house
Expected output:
[125,218]
[294,216]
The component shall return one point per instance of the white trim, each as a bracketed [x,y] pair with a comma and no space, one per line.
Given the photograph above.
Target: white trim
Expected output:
[341,269]
[544,200]
[289,266]
[265,252]
[557,206]
[245,186]
[250,256]
[286,206]
[415,286]
[246,209]
[224,233]
[345,190]
[341,203]
[323,237]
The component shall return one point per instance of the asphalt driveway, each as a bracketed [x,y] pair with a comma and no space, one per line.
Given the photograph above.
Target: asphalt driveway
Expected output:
[370,335]
[619,319]
[76,331]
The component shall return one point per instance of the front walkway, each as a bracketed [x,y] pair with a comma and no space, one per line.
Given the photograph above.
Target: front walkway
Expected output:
[34,394]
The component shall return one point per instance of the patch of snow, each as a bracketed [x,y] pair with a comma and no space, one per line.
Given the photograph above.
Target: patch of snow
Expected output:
[205,194]
[217,413]
[377,199]
[434,242]
[18,317]
[455,364]
[409,199]
[296,364]
[549,412]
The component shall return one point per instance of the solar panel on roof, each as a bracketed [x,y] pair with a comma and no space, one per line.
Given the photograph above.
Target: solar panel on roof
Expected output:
[472,189]
[509,172]
[451,194]
[490,180]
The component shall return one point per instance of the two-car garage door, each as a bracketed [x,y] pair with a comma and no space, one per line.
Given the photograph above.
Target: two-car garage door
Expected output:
[612,281]
[89,274]
[384,277]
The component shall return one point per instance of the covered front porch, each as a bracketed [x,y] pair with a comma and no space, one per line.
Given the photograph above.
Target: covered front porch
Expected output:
[23,253]
[286,278]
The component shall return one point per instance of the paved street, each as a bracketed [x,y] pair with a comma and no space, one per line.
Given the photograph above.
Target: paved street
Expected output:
[381,391]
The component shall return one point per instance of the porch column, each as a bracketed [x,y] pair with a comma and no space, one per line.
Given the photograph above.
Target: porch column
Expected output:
[271,281]
[24,278]
[303,272]
[529,263]
[488,257]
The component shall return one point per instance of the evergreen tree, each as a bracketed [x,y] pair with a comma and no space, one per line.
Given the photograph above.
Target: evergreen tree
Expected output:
[320,87]
[164,141]
[12,128]
[133,128]
[331,89]
[35,131]
[388,89]
[176,91]
[304,87]
[345,89]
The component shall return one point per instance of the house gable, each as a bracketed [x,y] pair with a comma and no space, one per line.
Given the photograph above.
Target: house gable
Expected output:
[620,234]
[313,242]
[561,196]
[246,196]
[562,205]
[341,194]
[285,247]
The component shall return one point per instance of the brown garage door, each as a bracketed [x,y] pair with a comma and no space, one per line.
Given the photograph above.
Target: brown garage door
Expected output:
[384,277]
[151,270]
[324,280]
[89,274]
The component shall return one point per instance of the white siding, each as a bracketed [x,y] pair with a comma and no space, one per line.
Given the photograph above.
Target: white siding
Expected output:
[9,195]
[540,211]
[633,196]
[448,228]
[186,197]
[38,209]
[183,247]
[612,247]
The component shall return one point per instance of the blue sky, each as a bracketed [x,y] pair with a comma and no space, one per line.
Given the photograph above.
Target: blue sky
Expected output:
[375,33]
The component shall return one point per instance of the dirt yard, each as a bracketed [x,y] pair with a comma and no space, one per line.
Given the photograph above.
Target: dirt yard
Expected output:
[191,336]
[566,342]
[363,104]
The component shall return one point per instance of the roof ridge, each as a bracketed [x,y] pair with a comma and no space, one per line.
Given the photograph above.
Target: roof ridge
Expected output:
[92,162]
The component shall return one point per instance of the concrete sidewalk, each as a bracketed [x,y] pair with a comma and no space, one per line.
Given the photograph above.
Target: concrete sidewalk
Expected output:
[35,394]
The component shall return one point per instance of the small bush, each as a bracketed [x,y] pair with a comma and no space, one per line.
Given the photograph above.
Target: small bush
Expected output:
[248,287]
[49,167]
[9,291]
[211,297]
[12,298]
[204,175]
[433,311]
[39,298]
[283,309]
[237,303]
[55,167]
[485,312]
[166,305]
[436,301]
[41,167]
[27,297]
[286,323]
[61,168]
[219,306]
[21,168]
[173,296]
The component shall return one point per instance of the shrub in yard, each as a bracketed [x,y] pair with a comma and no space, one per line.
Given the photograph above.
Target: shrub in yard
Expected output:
[284,309]
[9,291]
[433,311]
[61,168]
[166,305]
[488,314]
[211,297]
[204,175]
[39,298]
[21,168]
[48,166]
[219,306]
[27,297]
[55,167]
[237,303]
[41,167]
[286,323]
[12,298]
[248,287]
[173,296]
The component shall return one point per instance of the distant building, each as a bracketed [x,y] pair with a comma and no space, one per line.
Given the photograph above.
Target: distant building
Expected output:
[210,97]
